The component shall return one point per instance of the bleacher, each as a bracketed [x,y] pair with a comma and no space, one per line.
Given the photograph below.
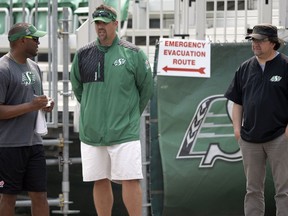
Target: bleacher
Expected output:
[38,13]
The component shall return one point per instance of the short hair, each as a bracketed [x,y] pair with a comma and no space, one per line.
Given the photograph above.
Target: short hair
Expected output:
[276,41]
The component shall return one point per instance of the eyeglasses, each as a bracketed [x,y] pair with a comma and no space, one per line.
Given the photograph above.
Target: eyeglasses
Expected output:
[254,40]
[36,39]
[104,13]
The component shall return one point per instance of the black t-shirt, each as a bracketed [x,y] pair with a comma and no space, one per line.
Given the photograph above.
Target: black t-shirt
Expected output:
[263,96]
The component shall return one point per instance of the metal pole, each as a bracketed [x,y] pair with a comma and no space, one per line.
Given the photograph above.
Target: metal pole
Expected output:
[11,14]
[27,203]
[50,162]
[161,18]
[23,11]
[145,163]
[201,19]
[64,159]
[147,27]
[53,42]
[245,19]
[185,17]
[177,14]
[65,181]
[134,19]
[236,20]
[265,11]
[283,11]
[225,20]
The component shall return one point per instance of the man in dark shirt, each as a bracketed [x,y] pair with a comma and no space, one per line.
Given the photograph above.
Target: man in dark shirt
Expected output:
[259,91]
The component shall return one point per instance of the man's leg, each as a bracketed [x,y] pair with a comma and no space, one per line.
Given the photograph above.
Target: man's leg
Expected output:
[132,197]
[277,151]
[7,204]
[35,180]
[254,162]
[39,206]
[126,167]
[103,197]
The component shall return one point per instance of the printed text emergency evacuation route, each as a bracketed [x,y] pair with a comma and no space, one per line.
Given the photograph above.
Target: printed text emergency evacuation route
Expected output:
[184,53]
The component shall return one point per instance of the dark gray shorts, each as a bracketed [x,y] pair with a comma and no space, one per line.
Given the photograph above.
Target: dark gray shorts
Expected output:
[23,169]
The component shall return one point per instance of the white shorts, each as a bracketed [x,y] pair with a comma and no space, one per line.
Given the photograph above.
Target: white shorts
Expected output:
[117,162]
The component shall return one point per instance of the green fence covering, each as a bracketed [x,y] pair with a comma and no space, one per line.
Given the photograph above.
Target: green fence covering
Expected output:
[196,164]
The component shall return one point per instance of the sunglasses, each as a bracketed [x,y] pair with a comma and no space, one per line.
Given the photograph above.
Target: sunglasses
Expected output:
[36,39]
[104,13]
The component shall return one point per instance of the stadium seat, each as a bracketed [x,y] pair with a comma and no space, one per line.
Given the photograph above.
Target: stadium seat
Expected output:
[81,13]
[4,16]
[4,3]
[124,7]
[21,8]
[72,5]
[42,3]
[3,20]
[19,4]
[83,3]
[42,13]
[42,22]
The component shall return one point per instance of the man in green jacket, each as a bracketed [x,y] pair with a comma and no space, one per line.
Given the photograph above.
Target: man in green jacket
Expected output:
[112,80]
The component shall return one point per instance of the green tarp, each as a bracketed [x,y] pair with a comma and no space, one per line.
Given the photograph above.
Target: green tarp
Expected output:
[196,165]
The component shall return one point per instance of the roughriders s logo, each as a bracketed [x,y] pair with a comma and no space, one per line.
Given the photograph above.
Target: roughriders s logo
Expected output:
[119,62]
[28,78]
[210,134]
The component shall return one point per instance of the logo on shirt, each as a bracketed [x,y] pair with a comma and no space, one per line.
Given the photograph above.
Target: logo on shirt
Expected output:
[275,78]
[119,62]
[2,184]
[28,78]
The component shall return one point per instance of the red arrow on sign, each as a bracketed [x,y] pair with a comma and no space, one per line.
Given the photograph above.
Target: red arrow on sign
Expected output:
[199,70]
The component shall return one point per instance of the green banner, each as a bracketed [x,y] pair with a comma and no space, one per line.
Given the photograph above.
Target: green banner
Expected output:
[201,161]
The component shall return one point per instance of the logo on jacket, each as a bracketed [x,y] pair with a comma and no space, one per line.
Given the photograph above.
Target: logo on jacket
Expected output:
[210,134]
[275,78]
[2,184]
[119,62]
[147,64]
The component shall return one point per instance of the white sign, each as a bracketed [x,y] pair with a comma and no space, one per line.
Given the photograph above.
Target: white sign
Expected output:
[178,57]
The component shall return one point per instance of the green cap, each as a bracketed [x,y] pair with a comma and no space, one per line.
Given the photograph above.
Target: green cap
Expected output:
[104,16]
[23,29]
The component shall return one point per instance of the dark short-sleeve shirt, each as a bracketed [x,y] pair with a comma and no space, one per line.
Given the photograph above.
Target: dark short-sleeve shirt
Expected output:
[263,96]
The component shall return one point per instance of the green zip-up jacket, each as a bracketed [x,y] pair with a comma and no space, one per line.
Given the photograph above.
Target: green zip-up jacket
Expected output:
[113,85]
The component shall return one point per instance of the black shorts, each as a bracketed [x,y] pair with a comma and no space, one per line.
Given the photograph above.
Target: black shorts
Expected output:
[23,169]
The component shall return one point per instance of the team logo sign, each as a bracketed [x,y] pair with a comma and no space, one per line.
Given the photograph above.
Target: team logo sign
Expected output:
[209,135]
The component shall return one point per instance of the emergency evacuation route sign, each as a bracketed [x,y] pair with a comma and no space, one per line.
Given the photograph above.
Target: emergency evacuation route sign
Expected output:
[187,58]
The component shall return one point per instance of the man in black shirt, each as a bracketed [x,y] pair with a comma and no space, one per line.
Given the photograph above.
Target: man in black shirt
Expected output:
[259,91]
